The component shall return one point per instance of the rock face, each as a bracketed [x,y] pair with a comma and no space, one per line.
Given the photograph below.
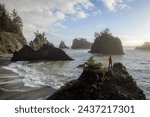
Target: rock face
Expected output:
[106,43]
[145,46]
[46,52]
[93,84]
[39,41]
[81,44]
[11,42]
[63,45]
[11,36]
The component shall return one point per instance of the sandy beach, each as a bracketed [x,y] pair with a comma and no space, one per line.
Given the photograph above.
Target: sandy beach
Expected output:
[12,86]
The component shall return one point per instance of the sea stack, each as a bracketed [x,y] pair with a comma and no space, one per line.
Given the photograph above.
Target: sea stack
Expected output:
[63,45]
[106,43]
[39,41]
[145,46]
[98,83]
[81,43]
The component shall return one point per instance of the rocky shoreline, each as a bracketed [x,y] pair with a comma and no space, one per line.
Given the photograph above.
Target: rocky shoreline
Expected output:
[100,83]
[13,88]
[95,83]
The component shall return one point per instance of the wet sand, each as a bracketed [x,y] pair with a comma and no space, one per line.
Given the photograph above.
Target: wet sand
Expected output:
[12,87]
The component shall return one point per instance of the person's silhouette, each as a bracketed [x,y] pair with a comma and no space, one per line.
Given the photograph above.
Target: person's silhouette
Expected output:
[110,62]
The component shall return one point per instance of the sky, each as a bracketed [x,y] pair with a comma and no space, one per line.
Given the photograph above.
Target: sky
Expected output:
[70,19]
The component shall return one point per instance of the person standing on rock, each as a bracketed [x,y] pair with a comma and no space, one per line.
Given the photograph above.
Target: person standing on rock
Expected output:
[110,62]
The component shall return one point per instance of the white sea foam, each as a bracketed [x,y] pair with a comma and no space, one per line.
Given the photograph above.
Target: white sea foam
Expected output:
[32,77]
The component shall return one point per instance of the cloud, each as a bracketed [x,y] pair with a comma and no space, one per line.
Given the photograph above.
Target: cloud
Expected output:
[98,12]
[44,14]
[60,26]
[82,15]
[112,5]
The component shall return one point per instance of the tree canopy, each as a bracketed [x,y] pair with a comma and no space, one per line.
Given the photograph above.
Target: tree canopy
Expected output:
[105,32]
[37,34]
[10,22]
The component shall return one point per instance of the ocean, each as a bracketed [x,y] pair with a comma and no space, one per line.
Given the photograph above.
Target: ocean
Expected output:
[56,74]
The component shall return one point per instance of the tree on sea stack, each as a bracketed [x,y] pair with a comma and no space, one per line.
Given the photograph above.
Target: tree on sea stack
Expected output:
[39,41]
[106,43]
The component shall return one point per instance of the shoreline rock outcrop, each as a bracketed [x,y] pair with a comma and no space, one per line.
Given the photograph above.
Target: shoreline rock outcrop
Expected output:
[63,45]
[98,83]
[39,41]
[46,52]
[145,46]
[11,42]
[81,43]
[106,43]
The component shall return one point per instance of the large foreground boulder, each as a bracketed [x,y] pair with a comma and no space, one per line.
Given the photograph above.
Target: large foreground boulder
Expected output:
[96,83]
[63,45]
[106,43]
[145,46]
[81,43]
[46,52]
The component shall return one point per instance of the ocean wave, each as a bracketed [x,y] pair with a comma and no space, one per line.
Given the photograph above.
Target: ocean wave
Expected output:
[32,77]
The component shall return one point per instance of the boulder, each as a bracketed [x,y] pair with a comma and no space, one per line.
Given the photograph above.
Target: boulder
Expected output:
[94,84]
[106,43]
[81,43]
[63,45]
[39,41]
[145,46]
[46,52]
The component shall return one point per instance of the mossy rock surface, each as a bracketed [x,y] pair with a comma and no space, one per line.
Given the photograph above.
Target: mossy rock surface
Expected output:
[11,42]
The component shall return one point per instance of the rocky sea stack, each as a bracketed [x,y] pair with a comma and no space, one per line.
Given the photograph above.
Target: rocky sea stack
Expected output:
[106,43]
[81,43]
[11,36]
[145,46]
[99,83]
[46,52]
[39,41]
[63,45]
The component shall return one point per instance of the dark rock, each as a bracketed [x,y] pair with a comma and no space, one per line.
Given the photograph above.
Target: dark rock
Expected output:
[46,52]
[145,46]
[63,45]
[115,84]
[39,41]
[81,43]
[106,43]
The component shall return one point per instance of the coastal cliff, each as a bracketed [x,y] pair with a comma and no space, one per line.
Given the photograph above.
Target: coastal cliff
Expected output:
[11,36]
